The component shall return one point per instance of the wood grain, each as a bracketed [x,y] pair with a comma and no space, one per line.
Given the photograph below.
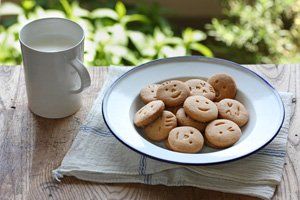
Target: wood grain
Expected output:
[31,146]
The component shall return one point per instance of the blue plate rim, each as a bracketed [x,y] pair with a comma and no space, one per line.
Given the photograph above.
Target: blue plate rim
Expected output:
[193,58]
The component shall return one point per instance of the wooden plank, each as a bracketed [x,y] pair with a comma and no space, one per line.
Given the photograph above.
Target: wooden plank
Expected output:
[31,146]
[287,78]
[14,155]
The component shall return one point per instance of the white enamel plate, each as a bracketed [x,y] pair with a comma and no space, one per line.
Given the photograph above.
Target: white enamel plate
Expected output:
[263,102]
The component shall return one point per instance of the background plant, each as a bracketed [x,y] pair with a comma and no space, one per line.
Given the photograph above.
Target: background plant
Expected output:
[261,31]
[113,36]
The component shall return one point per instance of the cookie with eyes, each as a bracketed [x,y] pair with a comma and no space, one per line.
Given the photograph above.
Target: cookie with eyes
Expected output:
[200,108]
[222,133]
[160,128]
[184,120]
[185,139]
[172,93]
[149,113]
[200,87]
[224,86]
[233,110]
[148,93]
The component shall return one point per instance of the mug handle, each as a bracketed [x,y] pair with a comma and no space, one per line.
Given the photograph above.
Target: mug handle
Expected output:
[83,74]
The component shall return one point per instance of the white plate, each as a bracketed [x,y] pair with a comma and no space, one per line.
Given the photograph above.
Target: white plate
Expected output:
[263,102]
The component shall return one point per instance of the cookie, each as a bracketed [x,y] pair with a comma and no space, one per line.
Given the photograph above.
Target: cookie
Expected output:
[233,110]
[185,139]
[224,86]
[184,120]
[200,108]
[200,87]
[222,133]
[148,93]
[209,144]
[174,109]
[167,145]
[172,93]
[149,113]
[160,128]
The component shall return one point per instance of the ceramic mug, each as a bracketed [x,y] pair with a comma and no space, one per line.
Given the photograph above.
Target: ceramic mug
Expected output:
[52,50]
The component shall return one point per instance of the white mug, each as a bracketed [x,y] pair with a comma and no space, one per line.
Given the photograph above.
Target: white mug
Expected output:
[52,50]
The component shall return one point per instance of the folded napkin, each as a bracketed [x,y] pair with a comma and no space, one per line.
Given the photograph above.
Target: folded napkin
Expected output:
[96,155]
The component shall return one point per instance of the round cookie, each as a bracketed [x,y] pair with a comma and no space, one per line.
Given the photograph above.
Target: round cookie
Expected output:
[173,109]
[233,110]
[185,139]
[167,145]
[184,120]
[210,145]
[160,128]
[222,133]
[200,87]
[172,93]
[148,93]
[149,113]
[200,108]
[224,86]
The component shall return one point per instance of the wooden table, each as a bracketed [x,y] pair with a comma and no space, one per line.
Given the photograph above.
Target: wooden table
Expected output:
[31,146]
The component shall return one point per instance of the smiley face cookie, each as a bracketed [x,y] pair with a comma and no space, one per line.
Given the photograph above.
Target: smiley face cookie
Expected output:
[172,93]
[222,133]
[224,86]
[184,120]
[149,113]
[200,108]
[160,128]
[200,87]
[148,93]
[233,110]
[185,139]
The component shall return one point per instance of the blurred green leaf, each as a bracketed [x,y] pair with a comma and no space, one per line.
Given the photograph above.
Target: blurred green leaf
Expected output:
[104,13]
[67,8]
[138,39]
[78,11]
[120,9]
[28,4]
[173,41]
[118,34]
[198,36]
[134,18]
[159,36]
[101,35]
[46,13]
[8,8]
[189,35]
[86,26]
[202,49]
[142,43]
[168,51]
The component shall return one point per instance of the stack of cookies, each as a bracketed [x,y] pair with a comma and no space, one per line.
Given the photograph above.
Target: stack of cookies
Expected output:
[187,115]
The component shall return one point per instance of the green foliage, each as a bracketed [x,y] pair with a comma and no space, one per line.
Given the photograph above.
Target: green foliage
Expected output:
[113,36]
[260,31]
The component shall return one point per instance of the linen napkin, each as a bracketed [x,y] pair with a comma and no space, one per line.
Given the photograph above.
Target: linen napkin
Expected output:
[96,155]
